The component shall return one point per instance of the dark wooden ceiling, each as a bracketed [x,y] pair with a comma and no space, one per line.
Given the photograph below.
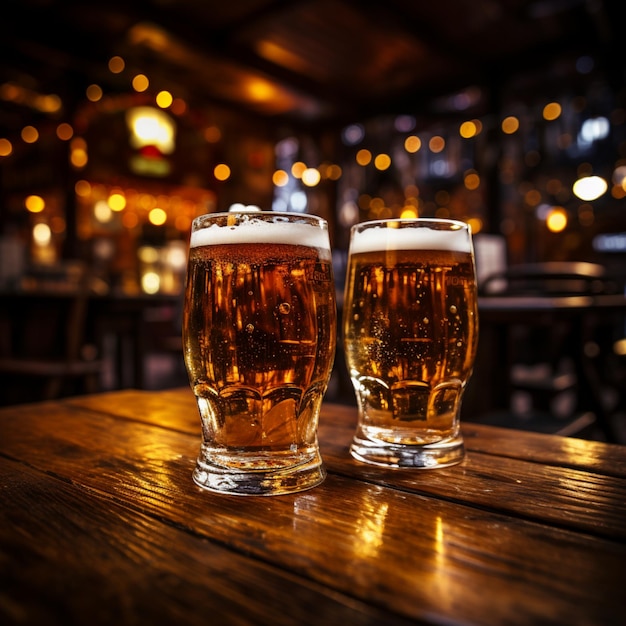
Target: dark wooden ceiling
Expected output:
[298,61]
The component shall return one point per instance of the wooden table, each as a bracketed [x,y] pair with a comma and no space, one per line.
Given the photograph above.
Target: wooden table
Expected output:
[100,523]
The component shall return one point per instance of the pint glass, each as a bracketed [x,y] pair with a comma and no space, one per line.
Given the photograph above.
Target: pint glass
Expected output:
[410,338]
[259,336]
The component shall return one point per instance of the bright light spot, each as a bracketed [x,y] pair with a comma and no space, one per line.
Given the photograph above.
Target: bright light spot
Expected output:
[467,130]
[30,134]
[311,177]
[78,157]
[280,178]
[412,144]
[116,65]
[151,127]
[589,188]
[148,255]
[594,129]
[150,282]
[556,220]
[34,204]
[42,234]
[382,162]
[102,212]
[297,169]
[94,93]
[363,157]
[551,111]
[221,171]
[140,82]
[408,212]
[157,217]
[476,224]
[117,202]
[164,99]
[510,125]
[298,201]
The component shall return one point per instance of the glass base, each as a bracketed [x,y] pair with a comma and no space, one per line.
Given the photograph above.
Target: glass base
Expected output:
[260,481]
[427,456]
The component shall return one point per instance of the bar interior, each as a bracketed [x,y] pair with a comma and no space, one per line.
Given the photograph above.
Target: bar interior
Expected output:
[121,122]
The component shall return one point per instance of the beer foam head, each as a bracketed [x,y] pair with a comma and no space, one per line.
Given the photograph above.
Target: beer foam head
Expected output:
[255,230]
[426,237]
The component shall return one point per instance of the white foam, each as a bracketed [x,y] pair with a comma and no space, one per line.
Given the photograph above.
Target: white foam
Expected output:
[258,231]
[382,238]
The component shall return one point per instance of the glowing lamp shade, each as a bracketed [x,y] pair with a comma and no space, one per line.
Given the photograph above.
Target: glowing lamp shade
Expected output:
[589,188]
[151,127]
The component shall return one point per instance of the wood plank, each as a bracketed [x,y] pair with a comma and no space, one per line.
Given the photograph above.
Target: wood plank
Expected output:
[176,408]
[569,492]
[72,556]
[359,537]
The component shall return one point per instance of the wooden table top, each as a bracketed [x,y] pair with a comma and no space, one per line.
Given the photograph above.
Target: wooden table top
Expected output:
[100,523]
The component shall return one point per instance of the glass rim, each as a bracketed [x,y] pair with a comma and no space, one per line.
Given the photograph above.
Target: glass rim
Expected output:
[248,213]
[412,220]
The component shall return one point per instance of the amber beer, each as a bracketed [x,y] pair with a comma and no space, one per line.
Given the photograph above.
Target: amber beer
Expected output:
[410,336]
[259,336]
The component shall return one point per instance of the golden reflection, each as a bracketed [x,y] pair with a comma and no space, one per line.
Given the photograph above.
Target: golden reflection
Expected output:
[556,221]
[370,526]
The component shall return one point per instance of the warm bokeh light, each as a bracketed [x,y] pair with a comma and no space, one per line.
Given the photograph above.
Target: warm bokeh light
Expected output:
[29,134]
[412,144]
[476,224]
[64,131]
[363,157]
[590,188]
[151,127]
[382,162]
[117,202]
[6,147]
[178,106]
[157,216]
[140,83]
[212,134]
[280,178]
[34,204]
[311,177]
[556,220]
[42,235]
[221,171]
[334,172]
[297,169]
[94,93]
[552,111]
[408,213]
[164,99]
[437,144]
[471,181]
[468,129]
[116,65]
[510,125]
[82,188]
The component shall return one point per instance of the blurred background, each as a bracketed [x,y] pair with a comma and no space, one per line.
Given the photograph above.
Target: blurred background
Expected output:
[122,121]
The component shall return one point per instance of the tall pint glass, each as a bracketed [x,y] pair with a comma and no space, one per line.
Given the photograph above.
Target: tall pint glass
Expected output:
[259,335]
[410,338]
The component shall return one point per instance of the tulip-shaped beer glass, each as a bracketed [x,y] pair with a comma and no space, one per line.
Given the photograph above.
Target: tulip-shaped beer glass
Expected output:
[410,338]
[259,334]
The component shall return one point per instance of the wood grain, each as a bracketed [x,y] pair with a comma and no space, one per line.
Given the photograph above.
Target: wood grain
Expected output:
[546,541]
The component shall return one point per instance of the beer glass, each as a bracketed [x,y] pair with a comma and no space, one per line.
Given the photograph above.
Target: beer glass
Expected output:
[259,336]
[410,337]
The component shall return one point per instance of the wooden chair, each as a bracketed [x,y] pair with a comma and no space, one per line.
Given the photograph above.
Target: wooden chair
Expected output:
[47,348]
